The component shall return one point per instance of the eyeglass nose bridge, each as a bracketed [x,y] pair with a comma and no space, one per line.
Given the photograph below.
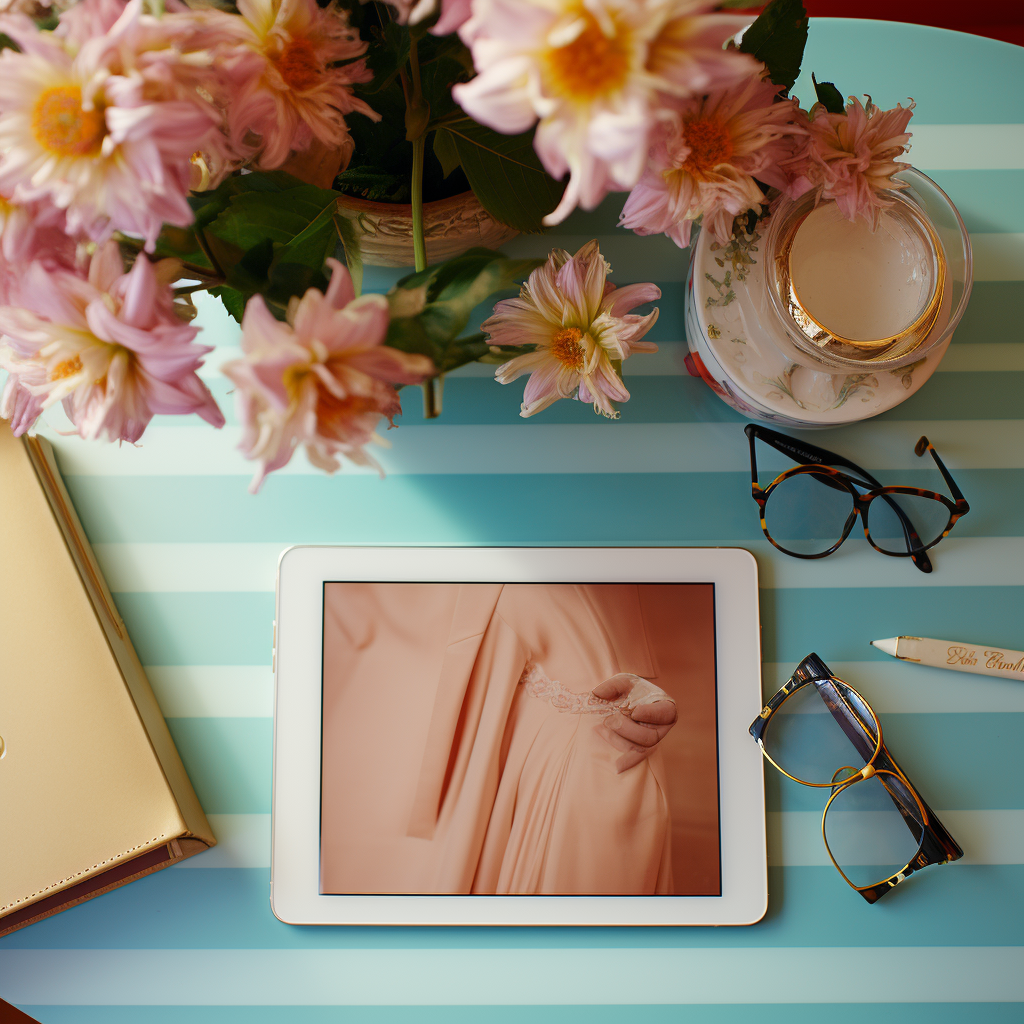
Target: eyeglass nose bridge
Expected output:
[867,772]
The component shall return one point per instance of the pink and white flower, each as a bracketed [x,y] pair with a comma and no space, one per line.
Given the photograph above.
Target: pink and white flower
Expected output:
[454,13]
[286,87]
[854,155]
[580,325]
[597,74]
[104,128]
[323,379]
[707,158]
[106,343]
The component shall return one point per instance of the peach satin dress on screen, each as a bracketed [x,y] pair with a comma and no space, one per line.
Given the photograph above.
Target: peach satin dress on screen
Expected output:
[456,757]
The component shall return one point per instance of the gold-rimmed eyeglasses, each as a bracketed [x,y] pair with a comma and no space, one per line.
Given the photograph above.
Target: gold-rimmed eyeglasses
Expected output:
[819,731]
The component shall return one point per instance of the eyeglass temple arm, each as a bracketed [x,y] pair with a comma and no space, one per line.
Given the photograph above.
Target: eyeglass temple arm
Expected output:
[801,451]
[809,453]
[924,445]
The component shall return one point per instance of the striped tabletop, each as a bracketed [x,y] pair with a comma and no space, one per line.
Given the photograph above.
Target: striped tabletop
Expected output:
[190,556]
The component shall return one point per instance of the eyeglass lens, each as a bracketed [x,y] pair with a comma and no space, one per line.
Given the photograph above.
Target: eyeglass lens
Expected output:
[819,728]
[873,829]
[930,518]
[806,514]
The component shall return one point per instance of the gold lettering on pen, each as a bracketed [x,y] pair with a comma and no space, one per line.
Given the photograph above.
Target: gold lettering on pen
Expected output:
[995,661]
[960,656]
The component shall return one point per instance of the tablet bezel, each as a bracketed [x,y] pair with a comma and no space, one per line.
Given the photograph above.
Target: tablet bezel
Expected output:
[298,656]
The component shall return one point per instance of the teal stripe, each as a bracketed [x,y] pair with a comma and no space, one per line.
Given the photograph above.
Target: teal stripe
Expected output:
[955,761]
[200,629]
[229,762]
[896,61]
[993,314]
[235,628]
[629,508]
[808,907]
[839,623]
[778,1013]
[988,201]
[971,395]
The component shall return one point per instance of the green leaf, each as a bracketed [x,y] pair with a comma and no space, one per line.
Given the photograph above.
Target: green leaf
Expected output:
[352,248]
[505,174]
[429,310]
[287,216]
[387,56]
[777,38]
[233,301]
[445,151]
[829,96]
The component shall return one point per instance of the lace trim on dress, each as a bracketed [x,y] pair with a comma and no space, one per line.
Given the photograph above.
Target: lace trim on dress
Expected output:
[537,684]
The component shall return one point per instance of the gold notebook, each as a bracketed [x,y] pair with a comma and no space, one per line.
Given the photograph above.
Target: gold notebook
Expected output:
[93,793]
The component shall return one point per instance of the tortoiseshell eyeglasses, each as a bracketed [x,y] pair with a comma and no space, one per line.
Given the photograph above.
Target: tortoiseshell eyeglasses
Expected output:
[808,511]
[819,731]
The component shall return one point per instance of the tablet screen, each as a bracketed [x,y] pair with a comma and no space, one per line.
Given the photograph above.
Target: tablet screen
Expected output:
[537,739]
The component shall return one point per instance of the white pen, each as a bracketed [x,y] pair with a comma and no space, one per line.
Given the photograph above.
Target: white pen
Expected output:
[985,660]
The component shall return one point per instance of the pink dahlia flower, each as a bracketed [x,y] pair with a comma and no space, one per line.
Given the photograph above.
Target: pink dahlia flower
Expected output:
[855,154]
[597,76]
[108,344]
[580,325]
[104,128]
[705,162]
[323,379]
[288,87]
[454,13]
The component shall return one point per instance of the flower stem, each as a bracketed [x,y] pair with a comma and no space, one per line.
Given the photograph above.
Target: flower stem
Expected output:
[417,117]
[419,244]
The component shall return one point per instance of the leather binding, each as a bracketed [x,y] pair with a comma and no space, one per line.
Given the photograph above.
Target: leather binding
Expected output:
[93,793]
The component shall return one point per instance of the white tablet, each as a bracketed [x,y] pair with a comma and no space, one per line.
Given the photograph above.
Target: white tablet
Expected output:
[528,736]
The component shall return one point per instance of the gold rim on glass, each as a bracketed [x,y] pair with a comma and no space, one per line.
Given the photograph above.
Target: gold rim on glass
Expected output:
[820,335]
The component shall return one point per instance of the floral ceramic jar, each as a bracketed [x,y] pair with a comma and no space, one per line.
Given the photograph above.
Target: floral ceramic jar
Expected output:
[811,320]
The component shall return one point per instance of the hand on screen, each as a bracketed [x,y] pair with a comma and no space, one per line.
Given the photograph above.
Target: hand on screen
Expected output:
[635,730]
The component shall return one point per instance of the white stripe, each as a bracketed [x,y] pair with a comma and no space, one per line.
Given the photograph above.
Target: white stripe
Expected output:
[987,837]
[482,977]
[900,687]
[967,147]
[243,841]
[544,448]
[218,567]
[892,687]
[213,691]
[794,839]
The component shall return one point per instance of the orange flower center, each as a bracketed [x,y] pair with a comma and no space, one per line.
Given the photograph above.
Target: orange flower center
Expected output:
[68,368]
[592,65]
[334,415]
[567,348]
[299,65]
[61,126]
[710,144]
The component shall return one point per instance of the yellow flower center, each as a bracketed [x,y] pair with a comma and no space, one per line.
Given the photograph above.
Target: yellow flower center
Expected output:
[592,65]
[567,348]
[299,65]
[710,145]
[68,368]
[61,126]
